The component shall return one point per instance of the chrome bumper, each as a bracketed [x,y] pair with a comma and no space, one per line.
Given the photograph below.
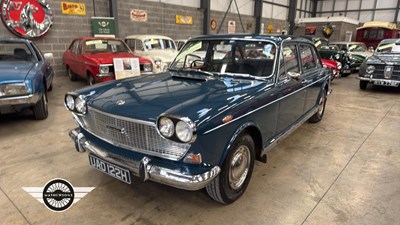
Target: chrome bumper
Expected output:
[19,100]
[370,79]
[145,169]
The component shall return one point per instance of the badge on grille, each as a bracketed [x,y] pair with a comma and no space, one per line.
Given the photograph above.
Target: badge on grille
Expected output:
[388,72]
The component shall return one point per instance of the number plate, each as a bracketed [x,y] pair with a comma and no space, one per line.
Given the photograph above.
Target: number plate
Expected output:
[387,83]
[111,169]
[346,71]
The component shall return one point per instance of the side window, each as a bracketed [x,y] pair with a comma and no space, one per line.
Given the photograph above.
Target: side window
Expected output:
[130,43]
[139,45]
[307,57]
[290,58]
[74,47]
[79,47]
[37,52]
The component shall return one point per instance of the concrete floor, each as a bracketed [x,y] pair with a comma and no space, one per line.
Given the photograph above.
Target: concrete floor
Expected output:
[343,170]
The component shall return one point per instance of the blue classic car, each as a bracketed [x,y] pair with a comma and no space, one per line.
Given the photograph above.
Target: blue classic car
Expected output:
[25,77]
[223,103]
[383,67]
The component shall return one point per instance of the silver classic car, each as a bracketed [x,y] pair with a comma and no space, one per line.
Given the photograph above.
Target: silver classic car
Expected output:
[223,103]
[383,67]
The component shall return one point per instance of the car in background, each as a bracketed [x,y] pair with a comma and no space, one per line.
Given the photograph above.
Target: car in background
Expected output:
[334,66]
[332,52]
[383,67]
[357,52]
[204,122]
[161,50]
[25,77]
[92,58]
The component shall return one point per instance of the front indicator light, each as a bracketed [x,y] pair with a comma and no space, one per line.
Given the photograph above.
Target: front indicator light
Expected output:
[193,158]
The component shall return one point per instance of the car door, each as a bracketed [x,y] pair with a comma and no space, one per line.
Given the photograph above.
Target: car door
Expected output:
[311,72]
[289,88]
[70,56]
[48,70]
[80,61]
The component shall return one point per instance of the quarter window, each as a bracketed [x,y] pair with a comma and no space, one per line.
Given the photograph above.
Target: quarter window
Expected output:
[307,57]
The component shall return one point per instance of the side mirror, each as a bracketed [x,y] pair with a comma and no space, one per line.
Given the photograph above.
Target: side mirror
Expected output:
[294,75]
[48,56]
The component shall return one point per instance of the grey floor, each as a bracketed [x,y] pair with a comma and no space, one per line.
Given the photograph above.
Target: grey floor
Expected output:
[343,170]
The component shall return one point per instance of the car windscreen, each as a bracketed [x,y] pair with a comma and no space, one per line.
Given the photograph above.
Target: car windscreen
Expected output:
[388,47]
[242,57]
[159,43]
[15,51]
[357,48]
[104,45]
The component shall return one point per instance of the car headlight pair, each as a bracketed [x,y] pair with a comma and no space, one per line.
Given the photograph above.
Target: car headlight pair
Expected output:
[15,89]
[147,67]
[76,103]
[177,129]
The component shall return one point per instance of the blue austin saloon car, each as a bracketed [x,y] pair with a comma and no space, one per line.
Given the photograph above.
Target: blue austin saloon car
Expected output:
[25,77]
[222,104]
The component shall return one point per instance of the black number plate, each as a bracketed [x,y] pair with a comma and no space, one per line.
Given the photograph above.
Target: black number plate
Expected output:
[111,169]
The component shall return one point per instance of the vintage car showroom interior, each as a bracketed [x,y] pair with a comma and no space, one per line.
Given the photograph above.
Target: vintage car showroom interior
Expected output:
[196,112]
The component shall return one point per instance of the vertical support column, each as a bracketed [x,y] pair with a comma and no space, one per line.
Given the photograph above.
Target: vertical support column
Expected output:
[258,8]
[347,6]
[314,8]
[374,10]
[205,5]
[114,13]
[333,7]
[292,15]
[396,15]
[359,11]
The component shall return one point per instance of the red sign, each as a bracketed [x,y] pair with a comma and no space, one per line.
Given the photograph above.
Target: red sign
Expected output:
[27,18]
[310,30]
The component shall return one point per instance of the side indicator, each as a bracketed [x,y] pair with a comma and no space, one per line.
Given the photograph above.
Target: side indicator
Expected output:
[227,118]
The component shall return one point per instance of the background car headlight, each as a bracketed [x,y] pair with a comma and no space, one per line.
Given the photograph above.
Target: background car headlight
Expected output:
[14,89]
[183,131]
[70,102]
[104,69]
[80,105]
[337,56]
[166,127]
[158,62]
[339,65]
[147,67]
[370,69]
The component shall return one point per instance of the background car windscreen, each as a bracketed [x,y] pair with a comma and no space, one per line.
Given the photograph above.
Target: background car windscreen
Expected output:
[14,51]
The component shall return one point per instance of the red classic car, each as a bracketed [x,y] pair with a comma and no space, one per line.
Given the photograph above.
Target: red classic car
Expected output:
[334,66]
[92,58]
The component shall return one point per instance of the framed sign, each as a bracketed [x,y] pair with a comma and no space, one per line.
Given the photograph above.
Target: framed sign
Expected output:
[103,26]
[138,15]
[186,20]
[231,27]
[310,30]
[73,8]
[126,67]
[27,18]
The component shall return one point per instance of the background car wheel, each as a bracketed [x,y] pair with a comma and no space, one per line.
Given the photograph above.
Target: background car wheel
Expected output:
[71,75]
[363,84]
[40,110]
[321,109]
[235,175]
[90,79]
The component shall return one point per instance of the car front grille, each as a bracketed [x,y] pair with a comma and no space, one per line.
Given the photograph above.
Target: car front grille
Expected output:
[135,135]
[379,72]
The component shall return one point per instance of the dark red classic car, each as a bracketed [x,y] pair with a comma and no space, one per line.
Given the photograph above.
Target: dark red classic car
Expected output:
[334,66]
[92,58]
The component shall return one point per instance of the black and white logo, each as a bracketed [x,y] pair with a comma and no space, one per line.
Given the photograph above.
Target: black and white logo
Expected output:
[58,194]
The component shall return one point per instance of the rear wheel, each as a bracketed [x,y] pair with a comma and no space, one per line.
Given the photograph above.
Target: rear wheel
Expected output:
[363,84]
[321,109]
[40,110]
[72,76]
[235,175]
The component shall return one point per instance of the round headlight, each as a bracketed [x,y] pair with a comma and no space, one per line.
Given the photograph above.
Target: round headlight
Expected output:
[158,62]
[370,69]
[80,105]
[166,127]
[183,131]
[70,102]
[337,56]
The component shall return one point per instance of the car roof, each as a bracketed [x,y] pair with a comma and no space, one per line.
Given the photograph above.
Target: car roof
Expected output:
[390,40]
[346,42]
[98,38]
[270,37]
[15,40]
[147,36]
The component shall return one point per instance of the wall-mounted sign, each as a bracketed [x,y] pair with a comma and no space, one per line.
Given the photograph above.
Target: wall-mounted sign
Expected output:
[310,30]
[213,24]
[270,28]
[327,30]
[138,15]
[73,8]
[231,27]
[181,19]
[27,18]
[103,26]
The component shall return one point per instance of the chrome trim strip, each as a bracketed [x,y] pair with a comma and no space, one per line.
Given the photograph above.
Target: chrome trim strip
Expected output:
[168,176]
[16,100]
[261,107]
[375,79]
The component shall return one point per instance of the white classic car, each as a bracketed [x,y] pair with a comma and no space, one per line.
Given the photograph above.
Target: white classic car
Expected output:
[161,50]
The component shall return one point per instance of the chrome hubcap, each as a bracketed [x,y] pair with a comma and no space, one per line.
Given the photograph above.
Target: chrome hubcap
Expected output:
[321,105]
[239,167]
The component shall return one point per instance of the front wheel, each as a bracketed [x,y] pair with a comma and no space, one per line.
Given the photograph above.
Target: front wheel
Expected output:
[235,175]
[90,79]
[40,110]
[363,84]
[321,109]
[72,76]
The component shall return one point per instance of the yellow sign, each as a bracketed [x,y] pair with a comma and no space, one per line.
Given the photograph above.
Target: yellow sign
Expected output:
[181,19]
[73,8]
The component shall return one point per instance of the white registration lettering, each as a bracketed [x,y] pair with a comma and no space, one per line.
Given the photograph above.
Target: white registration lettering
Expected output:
[110,169]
